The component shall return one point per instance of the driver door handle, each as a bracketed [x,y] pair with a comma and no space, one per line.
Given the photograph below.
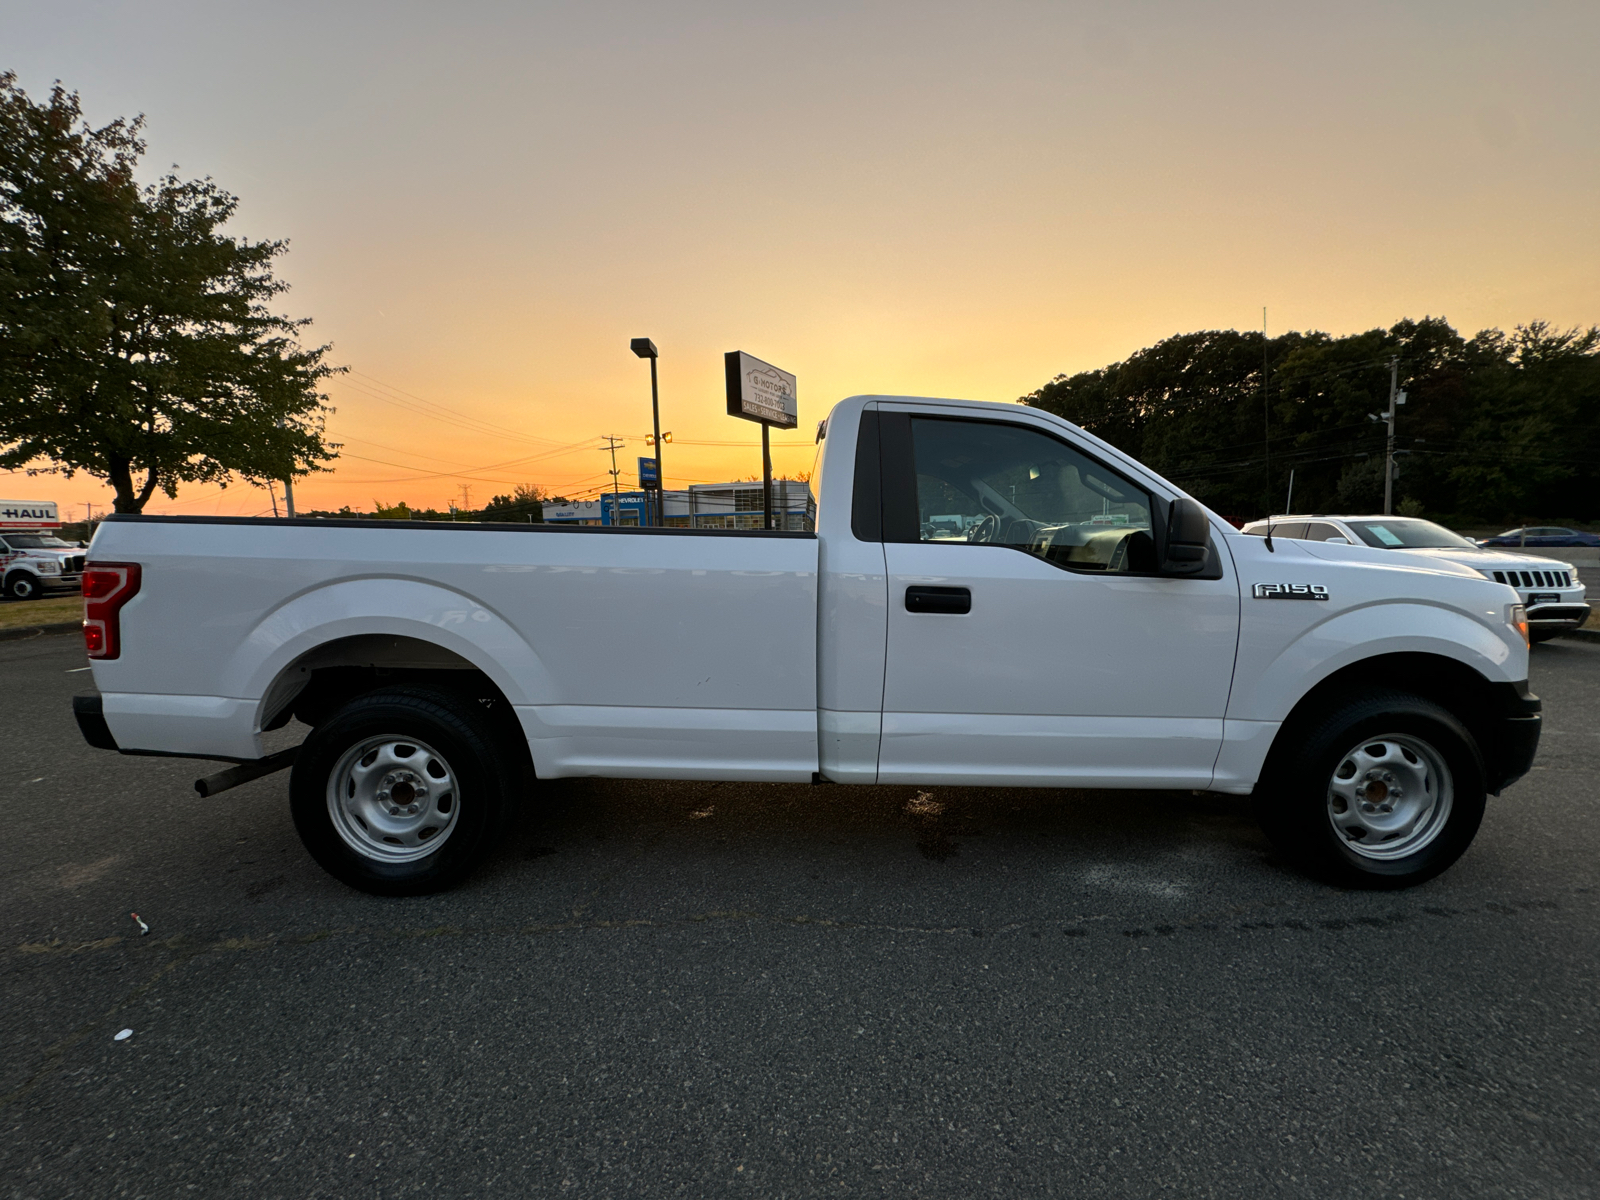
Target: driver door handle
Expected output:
[957,601]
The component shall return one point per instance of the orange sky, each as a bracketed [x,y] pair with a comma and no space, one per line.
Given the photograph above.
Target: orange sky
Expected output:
[485,202]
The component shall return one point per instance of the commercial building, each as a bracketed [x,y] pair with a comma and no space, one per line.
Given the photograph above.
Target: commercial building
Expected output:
[701,506]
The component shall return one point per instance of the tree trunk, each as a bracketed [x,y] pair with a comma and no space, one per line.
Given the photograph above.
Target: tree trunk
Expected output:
[119,474]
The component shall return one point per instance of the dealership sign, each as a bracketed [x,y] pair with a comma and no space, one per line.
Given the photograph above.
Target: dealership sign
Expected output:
[758,391]
[29,514]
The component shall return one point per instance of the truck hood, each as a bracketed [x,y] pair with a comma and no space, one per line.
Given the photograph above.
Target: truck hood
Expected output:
[1492,559]
[1434,560]
[45,554]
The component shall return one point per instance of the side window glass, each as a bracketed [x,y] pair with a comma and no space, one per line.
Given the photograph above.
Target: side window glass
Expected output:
[989,483]
[1319,531]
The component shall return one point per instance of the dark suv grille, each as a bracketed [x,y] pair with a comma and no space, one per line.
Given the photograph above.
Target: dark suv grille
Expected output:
[1529,579]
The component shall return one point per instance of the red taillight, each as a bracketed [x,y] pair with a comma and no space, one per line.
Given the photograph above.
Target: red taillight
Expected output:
[106,588]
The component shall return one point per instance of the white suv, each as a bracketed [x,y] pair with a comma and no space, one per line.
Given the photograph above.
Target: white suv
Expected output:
[1550,590]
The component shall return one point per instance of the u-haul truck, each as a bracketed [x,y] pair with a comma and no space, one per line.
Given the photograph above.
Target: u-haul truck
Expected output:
[33,560]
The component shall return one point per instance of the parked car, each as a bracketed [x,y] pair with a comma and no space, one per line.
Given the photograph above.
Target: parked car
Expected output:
[992,596]
[36,564]
[1542,536]
[1551,591]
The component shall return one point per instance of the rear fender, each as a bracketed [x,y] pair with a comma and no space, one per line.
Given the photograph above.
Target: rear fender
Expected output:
[397,607]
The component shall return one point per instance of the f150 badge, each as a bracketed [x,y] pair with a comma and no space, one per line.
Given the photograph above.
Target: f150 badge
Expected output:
[1290,591]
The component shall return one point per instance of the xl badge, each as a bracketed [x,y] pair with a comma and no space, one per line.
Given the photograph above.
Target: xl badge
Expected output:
[1290,591]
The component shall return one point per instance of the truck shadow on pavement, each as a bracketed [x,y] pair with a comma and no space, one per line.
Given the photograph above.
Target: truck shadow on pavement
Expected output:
[967,827]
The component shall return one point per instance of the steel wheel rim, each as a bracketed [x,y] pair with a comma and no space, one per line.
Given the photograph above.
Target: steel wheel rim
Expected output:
[1390,796]
[393,798]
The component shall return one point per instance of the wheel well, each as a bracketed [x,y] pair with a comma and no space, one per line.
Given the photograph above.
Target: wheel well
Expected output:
[322,680]
[1478,703]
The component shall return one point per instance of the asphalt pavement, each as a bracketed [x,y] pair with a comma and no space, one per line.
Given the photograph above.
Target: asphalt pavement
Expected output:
[715,989]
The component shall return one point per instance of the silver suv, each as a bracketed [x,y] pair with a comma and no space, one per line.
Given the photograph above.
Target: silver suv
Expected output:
[1550,590]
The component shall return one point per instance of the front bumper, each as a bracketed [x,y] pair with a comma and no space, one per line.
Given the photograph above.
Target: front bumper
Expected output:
[1513,737]
[1557,616]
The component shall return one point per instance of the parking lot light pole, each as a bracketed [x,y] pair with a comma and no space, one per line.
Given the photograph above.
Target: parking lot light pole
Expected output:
[645,348]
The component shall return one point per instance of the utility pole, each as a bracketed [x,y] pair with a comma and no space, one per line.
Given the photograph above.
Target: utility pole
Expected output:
[614,444]
[274,496]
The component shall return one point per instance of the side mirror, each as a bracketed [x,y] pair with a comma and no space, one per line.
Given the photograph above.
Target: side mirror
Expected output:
[1341,541]
[1188,538]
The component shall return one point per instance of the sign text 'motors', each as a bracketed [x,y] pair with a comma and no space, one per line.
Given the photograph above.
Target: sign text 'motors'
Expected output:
[759,391]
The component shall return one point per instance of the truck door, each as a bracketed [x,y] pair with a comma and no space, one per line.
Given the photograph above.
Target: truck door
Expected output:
[1030,638]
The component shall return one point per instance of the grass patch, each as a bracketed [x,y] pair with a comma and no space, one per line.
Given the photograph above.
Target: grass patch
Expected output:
[40,612]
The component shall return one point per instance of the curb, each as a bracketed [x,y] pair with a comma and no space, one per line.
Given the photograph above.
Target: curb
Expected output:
[32,631]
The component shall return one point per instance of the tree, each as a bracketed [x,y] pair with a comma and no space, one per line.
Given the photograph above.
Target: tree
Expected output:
[1498,427]
[136,339]
[526,502]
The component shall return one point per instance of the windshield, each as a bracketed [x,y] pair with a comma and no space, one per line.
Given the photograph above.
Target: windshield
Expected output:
[1408,535]
[36,541]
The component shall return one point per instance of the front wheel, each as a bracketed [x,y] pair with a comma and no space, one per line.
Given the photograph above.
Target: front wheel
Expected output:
[22,586]
[403,791]
[1382,790]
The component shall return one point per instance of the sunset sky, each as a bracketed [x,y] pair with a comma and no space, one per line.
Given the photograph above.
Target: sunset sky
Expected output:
[486,201]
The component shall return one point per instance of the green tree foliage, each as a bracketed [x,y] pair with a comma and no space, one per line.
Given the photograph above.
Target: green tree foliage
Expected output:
[1496,427]
[136,340]
[525,503]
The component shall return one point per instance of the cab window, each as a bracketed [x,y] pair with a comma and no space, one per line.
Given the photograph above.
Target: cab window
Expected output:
[991,483]
[1293,531]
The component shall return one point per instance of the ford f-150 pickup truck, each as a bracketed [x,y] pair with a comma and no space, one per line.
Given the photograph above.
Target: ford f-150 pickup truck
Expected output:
[991,596]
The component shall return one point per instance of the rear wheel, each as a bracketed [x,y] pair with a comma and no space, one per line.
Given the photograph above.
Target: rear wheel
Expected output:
[1382,790]
[403,791]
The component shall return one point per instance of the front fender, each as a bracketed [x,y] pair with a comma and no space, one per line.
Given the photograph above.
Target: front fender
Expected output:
[1269,688]
[402,607]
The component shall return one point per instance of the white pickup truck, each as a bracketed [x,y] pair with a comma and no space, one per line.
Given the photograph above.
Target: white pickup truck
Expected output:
[34,564]
[991,596]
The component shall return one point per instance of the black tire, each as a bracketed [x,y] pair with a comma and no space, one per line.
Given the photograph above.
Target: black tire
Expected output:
[1295,800]
[1543,635]
[21,586]
[483,768]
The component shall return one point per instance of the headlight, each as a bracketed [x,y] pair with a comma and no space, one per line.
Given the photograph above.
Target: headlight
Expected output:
[49,567]
[1517,618]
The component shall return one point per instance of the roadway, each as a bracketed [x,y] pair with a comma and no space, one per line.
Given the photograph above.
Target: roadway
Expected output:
[704,990]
